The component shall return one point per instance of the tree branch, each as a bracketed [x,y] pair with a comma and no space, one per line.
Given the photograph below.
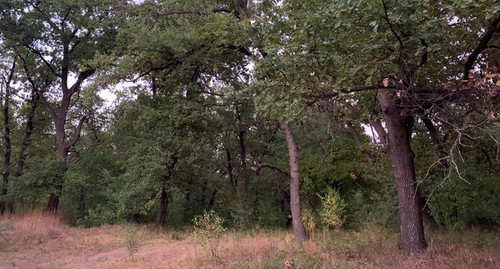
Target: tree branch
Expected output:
[258,166]
[78,133]
[483,44]
[35,88]
[391,26]
[81,77]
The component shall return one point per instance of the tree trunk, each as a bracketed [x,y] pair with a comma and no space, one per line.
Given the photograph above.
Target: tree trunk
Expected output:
[7,205]
[298,226]
[357,140]
[163,209]
[161,216]
[232,180]
[379,129]
[243,151]
[399,149]
[4,206]
[429,221]
[27,134]
[53,202]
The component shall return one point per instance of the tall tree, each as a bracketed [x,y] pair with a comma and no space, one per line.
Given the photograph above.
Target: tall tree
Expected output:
[63,37]
[335,50]
[7,77]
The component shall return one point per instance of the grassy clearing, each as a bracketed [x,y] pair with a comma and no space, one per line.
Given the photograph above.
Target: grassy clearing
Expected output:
[39,240]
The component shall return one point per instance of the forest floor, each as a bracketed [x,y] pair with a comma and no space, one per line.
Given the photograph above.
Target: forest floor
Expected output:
[40,241]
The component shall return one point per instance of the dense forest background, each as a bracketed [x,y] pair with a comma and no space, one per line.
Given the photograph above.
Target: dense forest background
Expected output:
[270,113]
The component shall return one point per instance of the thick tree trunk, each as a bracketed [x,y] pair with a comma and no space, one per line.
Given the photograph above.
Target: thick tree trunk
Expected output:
[298,227]
[399,149]
[53,202]
[161,216]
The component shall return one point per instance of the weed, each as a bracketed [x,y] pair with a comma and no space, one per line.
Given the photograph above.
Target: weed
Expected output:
[131,240]
[208,228]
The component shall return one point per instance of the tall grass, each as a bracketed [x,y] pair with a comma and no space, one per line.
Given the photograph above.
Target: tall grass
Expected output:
[38,224]
[369,247]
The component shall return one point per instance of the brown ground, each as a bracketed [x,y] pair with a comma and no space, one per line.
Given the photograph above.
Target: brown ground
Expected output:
[41,241]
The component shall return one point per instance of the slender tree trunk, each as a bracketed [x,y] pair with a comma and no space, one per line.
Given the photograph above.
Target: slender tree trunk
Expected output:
[243,150]
[379,129]
[7,205]
[27,134]
[399,149]
[4,206]
[232,180]
[298,226]
[357,140]
[163,209]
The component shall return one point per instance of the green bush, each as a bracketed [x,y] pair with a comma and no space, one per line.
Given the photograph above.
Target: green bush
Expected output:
[332,209]
[208,229]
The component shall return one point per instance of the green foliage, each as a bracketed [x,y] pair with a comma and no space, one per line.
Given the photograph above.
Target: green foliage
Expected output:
[332,209]
[458,204]
[292,259]
[208,229]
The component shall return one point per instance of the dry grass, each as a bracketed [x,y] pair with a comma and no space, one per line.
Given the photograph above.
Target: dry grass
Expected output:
[34,226]
[42,241]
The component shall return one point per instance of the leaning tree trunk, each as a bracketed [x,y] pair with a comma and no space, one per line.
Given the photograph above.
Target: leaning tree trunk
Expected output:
[298,226]
[399,149]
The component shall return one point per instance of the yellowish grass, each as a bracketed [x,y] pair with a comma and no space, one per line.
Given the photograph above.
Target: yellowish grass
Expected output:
[38,225]
[104,247]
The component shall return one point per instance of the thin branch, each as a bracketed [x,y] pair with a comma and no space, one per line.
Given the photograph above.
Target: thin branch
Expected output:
[39,54]
[391,26]
[35,87]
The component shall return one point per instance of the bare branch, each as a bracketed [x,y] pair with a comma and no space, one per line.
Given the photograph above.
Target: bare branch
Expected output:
[258,166]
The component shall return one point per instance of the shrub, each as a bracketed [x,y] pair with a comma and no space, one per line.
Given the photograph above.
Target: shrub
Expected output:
[332,209]
[208,229]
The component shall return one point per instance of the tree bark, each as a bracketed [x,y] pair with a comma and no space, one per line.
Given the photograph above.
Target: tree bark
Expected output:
[27,134]
[161,216]
[243,150]
[232,180]
[6,205]
[399,126]
[379,129]
[357,140]
[298,226]
[163,209]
